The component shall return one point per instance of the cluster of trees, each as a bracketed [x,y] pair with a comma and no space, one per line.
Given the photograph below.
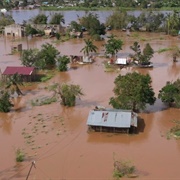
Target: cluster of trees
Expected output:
[148,21]
[144,57]
[134,91]
[95,3]
[120,3]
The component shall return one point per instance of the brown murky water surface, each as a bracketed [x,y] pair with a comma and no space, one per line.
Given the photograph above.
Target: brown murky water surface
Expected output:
[56,137]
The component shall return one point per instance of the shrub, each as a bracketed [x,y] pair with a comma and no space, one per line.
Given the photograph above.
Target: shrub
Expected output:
[19,155]
[123,168]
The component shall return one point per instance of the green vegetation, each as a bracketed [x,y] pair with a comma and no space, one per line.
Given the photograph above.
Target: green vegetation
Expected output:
[108,67]
[5,103]
[113,45]
[41,59]
[123,169]
[118,20]
[89,47]
[170,93]
[92,24]
[46,77]
[6,20]
[144,57]
[174,131]
[40,19]
[20,156]
[43,101]
[13,83]
[68,93]
[57,18]
[132,91]
[62,63]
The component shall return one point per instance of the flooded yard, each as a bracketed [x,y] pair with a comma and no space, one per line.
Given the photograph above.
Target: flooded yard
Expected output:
[56,137]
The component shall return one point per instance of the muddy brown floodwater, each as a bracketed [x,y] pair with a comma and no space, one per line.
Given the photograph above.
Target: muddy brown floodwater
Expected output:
[56,137]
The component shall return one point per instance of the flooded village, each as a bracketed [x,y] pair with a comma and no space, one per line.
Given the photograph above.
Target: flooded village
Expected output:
[56,139]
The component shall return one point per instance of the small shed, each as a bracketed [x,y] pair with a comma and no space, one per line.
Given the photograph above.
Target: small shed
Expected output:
[120,61]
[26,73]
[112,120]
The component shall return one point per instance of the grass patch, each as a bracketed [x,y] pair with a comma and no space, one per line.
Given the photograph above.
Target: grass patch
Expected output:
[174,131]
[108,67]
[46,77]
[135,35]
[43,101]
[164,50]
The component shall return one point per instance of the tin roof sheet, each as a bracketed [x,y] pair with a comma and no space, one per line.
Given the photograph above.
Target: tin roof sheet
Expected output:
[112,118]
[10,70]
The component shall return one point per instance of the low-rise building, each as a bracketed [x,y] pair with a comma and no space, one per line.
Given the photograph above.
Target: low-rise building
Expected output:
[112,120]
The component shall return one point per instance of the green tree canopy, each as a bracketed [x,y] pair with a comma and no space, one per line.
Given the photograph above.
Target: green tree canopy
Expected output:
[68,93]
[48,55]
[132,91]
[29,30]
[143,57]
[6,20]
[13,83]
[170,93]
[57,18]
[118,20]
[29,57]
[89,47]
[92,24]
[40,19]
[62,63]
[5,103]
[113,45]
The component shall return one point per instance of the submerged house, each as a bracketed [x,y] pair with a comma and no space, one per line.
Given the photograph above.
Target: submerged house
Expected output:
[82,59]
[112,120]
[14,30]
[26,73]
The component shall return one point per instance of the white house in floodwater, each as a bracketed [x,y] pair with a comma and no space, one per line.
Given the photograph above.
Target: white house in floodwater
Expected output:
[112,120]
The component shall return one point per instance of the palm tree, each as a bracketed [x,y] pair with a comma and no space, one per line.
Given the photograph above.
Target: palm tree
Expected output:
[13,84]
[89,47]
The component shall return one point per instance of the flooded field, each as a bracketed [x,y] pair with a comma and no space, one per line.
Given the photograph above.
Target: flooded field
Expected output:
[56,137]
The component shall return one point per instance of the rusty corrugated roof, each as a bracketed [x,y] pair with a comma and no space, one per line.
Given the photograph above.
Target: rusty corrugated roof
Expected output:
[21,70]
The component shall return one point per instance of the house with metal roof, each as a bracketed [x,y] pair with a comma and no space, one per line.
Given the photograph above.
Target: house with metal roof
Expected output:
[112,120]
[26,73]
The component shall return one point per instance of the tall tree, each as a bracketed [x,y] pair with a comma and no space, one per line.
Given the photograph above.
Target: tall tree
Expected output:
[113,45]
[57,18]
[5,103]
[89,47]
[48,55]
[68,93]
[132,91]
[40,19]
[92,24]
[118,20]
[29,57]
[13,84]
[143,57]
[62,63]
[170,93]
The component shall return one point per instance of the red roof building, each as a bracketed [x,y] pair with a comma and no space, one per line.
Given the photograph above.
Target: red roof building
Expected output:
[21,70]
